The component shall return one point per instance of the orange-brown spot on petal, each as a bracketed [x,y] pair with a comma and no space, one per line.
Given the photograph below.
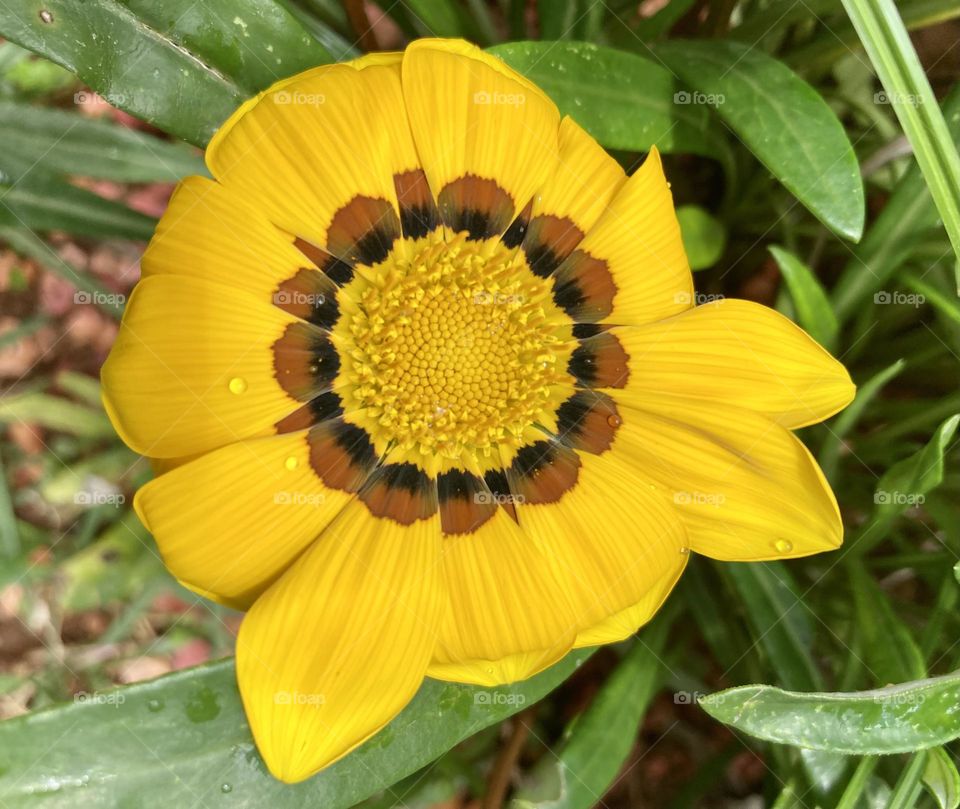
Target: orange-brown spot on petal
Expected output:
[401,492]
[309,295]
[515,234]
[327,405]
[305,362]
[336,269]
[583,287]
[499,487]
[363,231]
[549,240]
[341,454]
[541,472]
[588,421]
[600,362]
[418,211]
[465,502]
[476,205]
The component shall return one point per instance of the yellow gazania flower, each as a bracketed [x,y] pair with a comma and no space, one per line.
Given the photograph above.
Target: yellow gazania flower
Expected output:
[423,371]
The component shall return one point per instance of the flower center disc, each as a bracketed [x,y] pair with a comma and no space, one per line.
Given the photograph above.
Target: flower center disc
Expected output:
[453,345]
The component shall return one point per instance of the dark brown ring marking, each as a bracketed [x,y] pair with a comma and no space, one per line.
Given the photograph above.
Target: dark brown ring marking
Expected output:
[401,492]
[465,502]
[600,362]
[476,205]
[588,421]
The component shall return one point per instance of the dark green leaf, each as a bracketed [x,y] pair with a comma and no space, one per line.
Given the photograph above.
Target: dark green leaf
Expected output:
[897,719]
[557,18]
[599,741]
[704,236]
[42,201]
[814,312]
[180,65]
[908,481]
[778,618]
[902,224]
[888,45]
[892,655]
[182,739]
[762,100]
[439,18]
[9,533]
[940,777]
[844,423]
[624,101]
[70,144]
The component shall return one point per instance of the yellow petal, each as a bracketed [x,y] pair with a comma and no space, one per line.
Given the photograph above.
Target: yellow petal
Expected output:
[744,486]
[574,196]
[213,233]
[340,643]
[508,617]
[583,181]
[486,137]
[228,523]
[310,145]
[631,268]
[192,368]
[740,353]
[622,625]
[609,539]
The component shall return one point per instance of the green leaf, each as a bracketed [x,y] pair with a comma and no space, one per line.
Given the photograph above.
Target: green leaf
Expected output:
[113,569]
[182,740]
[845,422]
[941,778]
[905,484]
[891,653]
[779,619]
[762,101]
[888,45]
[857,784]
[180,65]
[598,742]
[948,306]
[704,236]
[557,18]
[9,533]
[55,413]
[896,719]
[907,790]
[68,143]
[814,311]
[623,100]
[439,18]
[901,225]
[908,481]
[824,52]
[42,201]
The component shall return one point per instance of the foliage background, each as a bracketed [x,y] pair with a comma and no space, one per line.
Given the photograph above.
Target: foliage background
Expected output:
[815,173]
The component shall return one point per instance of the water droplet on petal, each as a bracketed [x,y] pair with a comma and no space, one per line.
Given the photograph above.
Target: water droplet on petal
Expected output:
[226,788]
[684,550]
[614,420]
[237,385]
[783,546]
[154,705]
[291,463]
